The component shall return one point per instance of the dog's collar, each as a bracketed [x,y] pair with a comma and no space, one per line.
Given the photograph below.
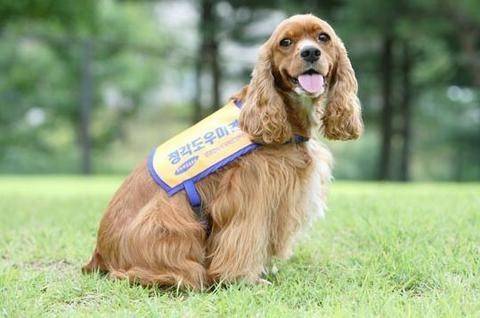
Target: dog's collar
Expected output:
[296,139]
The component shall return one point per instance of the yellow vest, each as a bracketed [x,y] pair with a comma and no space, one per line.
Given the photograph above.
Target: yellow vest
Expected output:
[200,150]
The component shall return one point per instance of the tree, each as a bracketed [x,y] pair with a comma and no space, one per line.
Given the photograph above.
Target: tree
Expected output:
[406,113]
[207,57]
[75,45]
[386,79]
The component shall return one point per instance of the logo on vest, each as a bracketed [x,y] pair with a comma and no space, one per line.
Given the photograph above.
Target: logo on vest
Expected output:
[186,165]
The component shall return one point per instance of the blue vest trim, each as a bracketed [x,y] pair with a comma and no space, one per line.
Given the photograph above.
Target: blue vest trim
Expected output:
[171,191]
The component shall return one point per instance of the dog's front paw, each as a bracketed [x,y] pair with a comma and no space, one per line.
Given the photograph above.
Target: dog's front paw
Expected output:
[261,281]
[270,270]
[274,270]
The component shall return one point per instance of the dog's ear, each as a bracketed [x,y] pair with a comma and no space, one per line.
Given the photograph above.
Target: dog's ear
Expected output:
[342,119]
[263,115]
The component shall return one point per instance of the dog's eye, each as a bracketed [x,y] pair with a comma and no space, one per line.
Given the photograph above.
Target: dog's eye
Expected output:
[285,42]
[323,37]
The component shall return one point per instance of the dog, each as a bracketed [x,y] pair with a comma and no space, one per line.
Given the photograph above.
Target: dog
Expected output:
[302,83]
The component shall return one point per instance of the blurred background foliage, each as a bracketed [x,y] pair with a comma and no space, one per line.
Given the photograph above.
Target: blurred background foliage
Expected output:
[91,86]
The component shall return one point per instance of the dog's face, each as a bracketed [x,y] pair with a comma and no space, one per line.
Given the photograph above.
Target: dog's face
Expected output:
[302,57]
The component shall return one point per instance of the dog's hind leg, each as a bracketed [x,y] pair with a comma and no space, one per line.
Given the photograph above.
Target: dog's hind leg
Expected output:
[162,246]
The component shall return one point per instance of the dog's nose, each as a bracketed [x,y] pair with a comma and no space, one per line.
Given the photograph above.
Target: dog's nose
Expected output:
[310,54]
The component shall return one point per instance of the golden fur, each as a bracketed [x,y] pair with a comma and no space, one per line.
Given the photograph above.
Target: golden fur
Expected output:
[257,204]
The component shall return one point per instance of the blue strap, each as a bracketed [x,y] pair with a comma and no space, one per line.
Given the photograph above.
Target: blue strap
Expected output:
[238,103]
[299,139]
[192,194]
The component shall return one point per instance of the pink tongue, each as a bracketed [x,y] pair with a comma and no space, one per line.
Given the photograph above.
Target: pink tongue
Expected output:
[312,83]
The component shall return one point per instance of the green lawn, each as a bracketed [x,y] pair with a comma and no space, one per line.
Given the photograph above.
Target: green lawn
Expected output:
[383,250]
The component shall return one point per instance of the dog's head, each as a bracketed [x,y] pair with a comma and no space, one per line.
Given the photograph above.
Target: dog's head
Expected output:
[303,60]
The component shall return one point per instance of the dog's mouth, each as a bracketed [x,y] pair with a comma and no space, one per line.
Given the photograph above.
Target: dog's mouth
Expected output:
[311,82]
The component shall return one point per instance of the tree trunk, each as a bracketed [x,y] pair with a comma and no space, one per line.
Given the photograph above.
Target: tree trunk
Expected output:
[201,58]
[197,102]
[406,112]
[86,100]
[458,163]
[468,38]
[386,75]
[216,74]
[207,56]
[468,32]
[211,50]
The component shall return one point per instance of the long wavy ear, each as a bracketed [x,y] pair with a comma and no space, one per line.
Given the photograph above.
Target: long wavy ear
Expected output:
[263,114]
[342,119]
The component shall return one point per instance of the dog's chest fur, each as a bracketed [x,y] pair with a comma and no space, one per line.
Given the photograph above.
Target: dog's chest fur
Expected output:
[319,178]
[291,181]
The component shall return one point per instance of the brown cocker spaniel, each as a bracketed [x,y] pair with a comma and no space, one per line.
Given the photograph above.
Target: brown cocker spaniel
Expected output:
[303,82]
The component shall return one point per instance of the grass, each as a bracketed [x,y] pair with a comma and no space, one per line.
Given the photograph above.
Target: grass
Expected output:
[383,250]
